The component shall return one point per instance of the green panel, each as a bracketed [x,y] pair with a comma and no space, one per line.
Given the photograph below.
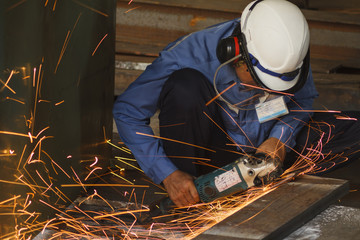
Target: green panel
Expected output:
[56,95]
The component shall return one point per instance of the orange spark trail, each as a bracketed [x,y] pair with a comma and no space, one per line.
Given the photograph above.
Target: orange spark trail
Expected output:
[329,111]
[6,83]
[122,177]
[132,9]
[67,39]
[90,8]
[173,140]
[232,119]
[120,213]
[15,5]
[16,134]
[16,100]
[54,5]
[265,89]
[346,118]
[38,87]
[217,96]
[97,168]
[103,185]
[56,104]
[99,44]
[129,164]
[96,160]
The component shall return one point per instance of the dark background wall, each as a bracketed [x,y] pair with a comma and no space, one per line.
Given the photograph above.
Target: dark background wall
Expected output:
[56,95]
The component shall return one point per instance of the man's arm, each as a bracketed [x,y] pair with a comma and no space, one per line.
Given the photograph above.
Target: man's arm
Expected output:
[283,134]
[300,111]
[132,111]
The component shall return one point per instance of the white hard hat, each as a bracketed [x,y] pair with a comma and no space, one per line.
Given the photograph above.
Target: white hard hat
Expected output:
[277,41]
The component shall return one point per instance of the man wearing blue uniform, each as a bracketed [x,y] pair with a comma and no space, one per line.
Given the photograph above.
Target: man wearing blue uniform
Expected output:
[243,86]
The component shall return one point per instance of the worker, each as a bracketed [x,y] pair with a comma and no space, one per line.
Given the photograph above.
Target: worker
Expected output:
[242,86]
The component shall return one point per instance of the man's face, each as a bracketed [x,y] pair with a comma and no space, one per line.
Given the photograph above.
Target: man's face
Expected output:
[243,74]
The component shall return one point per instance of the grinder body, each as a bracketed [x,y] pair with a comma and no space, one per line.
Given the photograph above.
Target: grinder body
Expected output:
[238,176]
[246,172]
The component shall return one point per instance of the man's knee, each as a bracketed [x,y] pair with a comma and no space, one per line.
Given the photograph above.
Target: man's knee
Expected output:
[186,87]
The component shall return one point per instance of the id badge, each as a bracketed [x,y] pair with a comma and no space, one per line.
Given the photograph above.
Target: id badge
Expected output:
[271,109]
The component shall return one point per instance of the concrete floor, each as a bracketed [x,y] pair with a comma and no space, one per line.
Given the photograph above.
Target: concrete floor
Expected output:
[341,220]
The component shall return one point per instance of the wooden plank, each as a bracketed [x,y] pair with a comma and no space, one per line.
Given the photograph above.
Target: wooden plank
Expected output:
[280,212]
[225,5]
[334,5]
[312,11]
[151,25]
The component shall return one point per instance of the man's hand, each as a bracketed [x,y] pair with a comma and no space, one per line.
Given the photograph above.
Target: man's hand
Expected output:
[181,188]
[273,147]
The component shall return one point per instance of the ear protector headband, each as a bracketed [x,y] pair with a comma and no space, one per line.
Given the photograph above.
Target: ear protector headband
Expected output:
[235,45]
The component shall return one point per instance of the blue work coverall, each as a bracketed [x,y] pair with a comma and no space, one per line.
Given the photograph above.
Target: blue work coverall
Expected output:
[134,108]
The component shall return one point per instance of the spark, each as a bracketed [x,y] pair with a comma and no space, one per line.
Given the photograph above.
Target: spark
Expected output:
[120,148]
[52,161]
[132,9]
[51,220]
[15,100]
[232,140]
[345,118]
[21,184]
[236,125]
[77,177]
[319,111]
[172,125]
[265,89]
[38,87]
[122,178]
[67,39]
[15,5]
[10,199]
[219,95]
[30,137]
[54,5]
[173,140]
[97,168]
[7,82]
[103,185]
[121,213]
[96,160]
[128,159]
[22,155]
[14,133]
[129,165]
[56,104]
[90,8]
[99,44]
[246,220]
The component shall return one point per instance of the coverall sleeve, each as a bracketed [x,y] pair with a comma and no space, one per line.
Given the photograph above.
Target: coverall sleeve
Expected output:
[300,111]
[132,112]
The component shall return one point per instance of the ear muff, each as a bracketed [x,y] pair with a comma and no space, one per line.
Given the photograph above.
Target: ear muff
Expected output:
[228,48]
